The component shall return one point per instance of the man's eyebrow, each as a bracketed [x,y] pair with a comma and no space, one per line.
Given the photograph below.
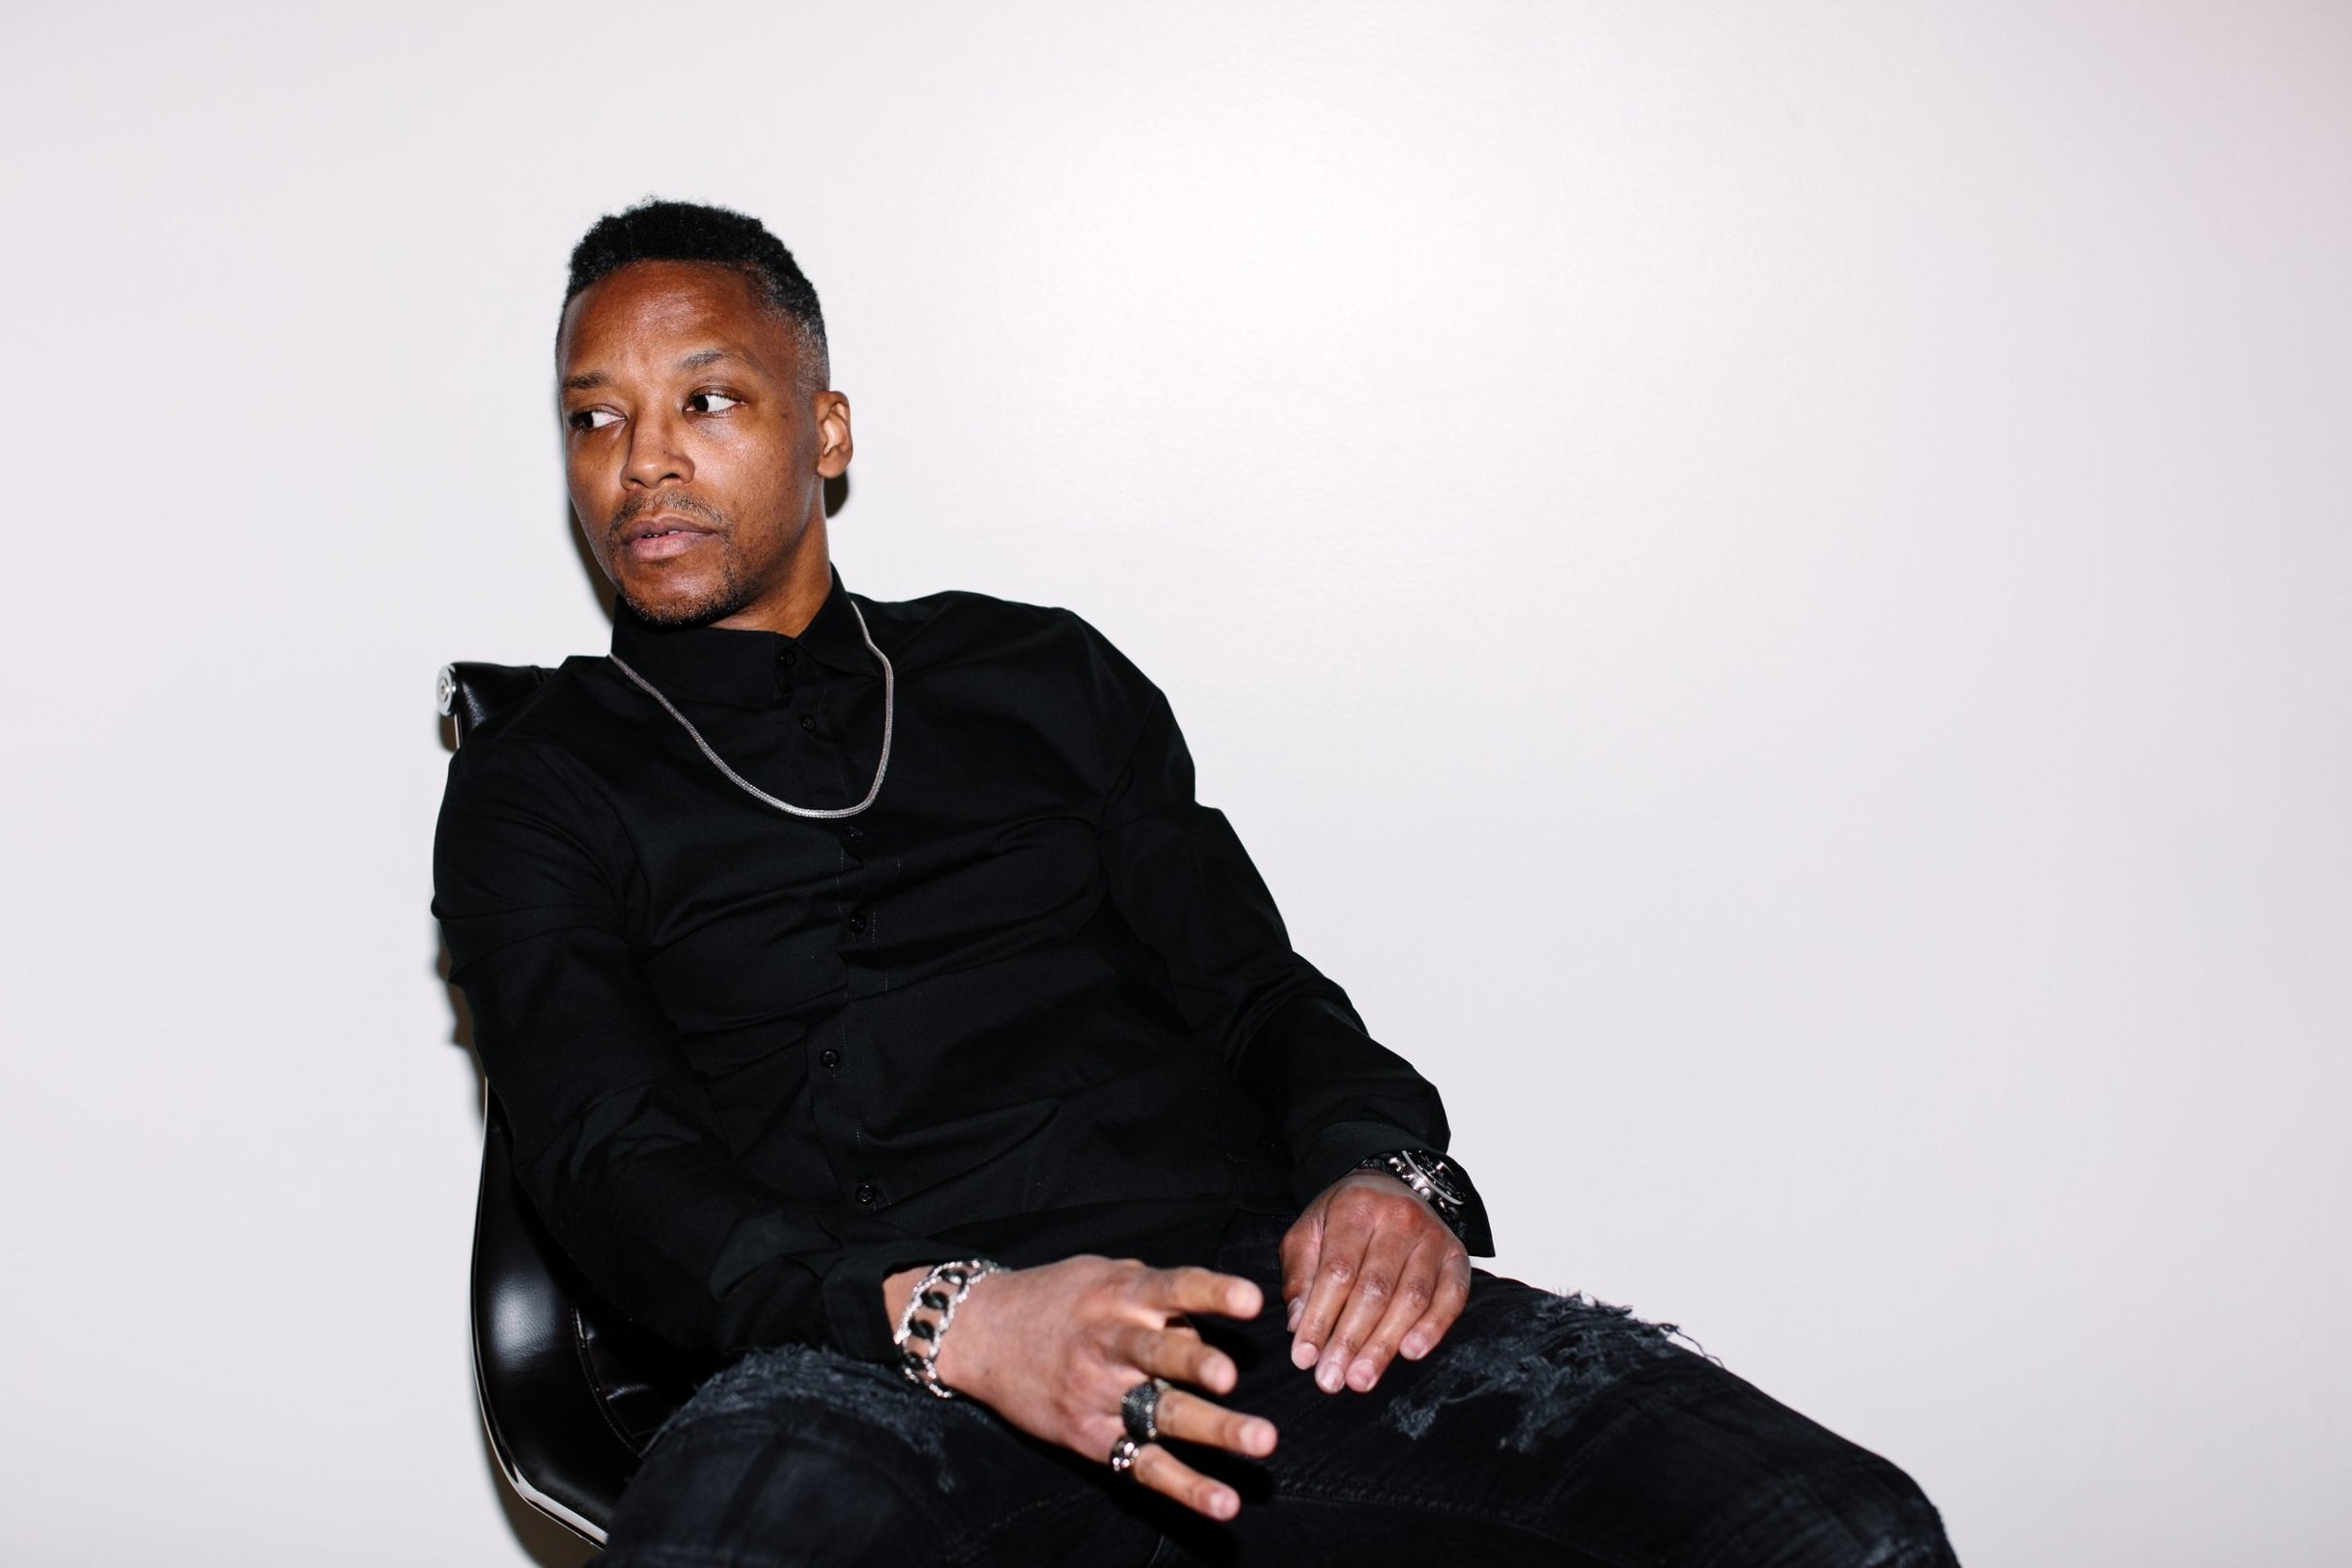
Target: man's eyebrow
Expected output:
[589,380]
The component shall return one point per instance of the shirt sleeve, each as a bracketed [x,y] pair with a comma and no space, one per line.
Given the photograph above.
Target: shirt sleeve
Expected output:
[616,1143]
[1185,885]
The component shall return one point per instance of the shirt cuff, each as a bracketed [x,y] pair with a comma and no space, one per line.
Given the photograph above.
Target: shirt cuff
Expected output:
[861,1324]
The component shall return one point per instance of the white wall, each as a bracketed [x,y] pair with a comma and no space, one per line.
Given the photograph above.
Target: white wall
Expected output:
[1768,583]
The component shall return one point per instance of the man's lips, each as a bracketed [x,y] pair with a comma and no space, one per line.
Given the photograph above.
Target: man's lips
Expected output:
[658,537]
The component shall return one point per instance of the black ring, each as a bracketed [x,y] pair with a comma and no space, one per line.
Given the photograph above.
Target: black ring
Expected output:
[1139,1411]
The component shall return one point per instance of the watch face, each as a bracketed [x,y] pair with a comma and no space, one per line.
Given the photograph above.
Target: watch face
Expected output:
[1438,1174]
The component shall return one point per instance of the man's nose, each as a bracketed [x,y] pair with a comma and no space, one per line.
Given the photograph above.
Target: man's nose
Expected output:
[656,452]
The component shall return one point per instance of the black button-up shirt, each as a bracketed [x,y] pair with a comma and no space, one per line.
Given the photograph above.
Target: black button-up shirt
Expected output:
[1035,1001]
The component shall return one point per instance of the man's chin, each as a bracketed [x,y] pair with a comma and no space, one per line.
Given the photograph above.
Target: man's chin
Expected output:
[679,608]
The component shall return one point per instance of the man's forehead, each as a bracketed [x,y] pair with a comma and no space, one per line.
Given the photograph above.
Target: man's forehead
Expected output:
[672,310]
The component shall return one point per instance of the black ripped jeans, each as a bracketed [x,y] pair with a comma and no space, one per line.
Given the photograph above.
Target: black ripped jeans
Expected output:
[1545,1429]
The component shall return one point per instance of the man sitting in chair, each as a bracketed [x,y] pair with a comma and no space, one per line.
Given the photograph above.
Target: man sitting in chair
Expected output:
[871,1003]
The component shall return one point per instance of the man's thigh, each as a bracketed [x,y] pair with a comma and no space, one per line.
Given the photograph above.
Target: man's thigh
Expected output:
[1545,1429]
[1549,1429]
[801,1456]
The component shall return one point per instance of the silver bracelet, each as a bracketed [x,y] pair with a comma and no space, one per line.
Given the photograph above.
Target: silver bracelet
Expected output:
[931,1307]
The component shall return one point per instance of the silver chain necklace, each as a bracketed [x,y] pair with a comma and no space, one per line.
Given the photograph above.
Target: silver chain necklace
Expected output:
[889,719]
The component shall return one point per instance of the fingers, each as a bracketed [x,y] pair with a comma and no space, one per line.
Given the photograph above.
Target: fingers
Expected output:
[1178,1355]
[1187,1418]
[1422,1294]
[1377,1284]
[1072,1339]
[1386,1273]
[1301,1245]
[1162,1472]
[1452,1296]
[1190,1418]
[1179,1291]
[1194,1419]
[1347,1231]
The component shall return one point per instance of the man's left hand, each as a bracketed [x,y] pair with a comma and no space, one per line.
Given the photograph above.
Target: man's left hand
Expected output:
[1370,1273]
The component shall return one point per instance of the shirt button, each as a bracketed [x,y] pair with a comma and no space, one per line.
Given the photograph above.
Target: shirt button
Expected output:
[788,657]
[858,923]
[854,833]
[866,1193]
[830,1057]
[808,722]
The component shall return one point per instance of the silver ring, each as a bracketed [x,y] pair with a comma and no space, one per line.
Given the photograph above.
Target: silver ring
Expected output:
[1139,1411]
[1123,1455]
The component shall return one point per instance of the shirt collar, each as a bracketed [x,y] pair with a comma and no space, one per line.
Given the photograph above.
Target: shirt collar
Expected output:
[741,667]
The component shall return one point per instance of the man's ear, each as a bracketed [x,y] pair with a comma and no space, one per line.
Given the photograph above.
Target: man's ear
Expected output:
[834,448]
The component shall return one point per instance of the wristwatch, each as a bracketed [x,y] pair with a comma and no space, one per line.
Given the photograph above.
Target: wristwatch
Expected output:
[1436,1178]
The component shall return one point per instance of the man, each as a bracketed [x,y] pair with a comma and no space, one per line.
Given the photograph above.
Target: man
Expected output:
[872,1001]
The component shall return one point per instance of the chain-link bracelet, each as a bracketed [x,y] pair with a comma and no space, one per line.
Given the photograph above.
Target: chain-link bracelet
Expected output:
[931,1307]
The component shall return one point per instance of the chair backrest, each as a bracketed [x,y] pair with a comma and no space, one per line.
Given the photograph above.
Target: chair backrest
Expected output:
[571,1390]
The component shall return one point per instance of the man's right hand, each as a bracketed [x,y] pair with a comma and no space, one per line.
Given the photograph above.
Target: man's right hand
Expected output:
[1054,1349]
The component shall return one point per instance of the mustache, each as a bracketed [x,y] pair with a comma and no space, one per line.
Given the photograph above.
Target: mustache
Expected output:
[685,506]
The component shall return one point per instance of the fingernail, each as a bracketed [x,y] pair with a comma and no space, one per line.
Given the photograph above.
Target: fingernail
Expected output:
[1298,1310]
[1326,1377]
[1224,1504]
[1302,1355]
[1413,1348]
[1361,1377]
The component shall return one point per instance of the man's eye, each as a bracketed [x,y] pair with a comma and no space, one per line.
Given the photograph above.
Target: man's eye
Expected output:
[593,418]
[711,403]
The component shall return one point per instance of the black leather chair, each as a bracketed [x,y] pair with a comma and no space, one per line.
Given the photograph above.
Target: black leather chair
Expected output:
[571,1390]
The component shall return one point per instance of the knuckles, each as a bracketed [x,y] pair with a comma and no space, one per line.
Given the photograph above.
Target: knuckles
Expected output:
[1375,1205]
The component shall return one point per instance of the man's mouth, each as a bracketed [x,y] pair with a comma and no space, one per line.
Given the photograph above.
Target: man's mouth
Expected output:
[661,537]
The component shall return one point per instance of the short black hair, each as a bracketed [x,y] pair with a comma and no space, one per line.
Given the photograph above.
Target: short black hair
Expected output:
[659,231]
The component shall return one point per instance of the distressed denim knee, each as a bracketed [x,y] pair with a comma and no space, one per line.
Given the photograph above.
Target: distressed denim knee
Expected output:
[1563,1348]
[1865,1513]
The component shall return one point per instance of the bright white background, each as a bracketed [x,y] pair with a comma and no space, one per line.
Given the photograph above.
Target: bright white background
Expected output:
[1768,583]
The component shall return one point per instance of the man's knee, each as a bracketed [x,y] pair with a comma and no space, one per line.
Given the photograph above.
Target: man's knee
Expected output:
[1894,1524]
[1865,1513]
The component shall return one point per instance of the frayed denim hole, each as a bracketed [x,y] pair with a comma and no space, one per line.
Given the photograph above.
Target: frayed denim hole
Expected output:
[1567,1349]
[778,1385]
